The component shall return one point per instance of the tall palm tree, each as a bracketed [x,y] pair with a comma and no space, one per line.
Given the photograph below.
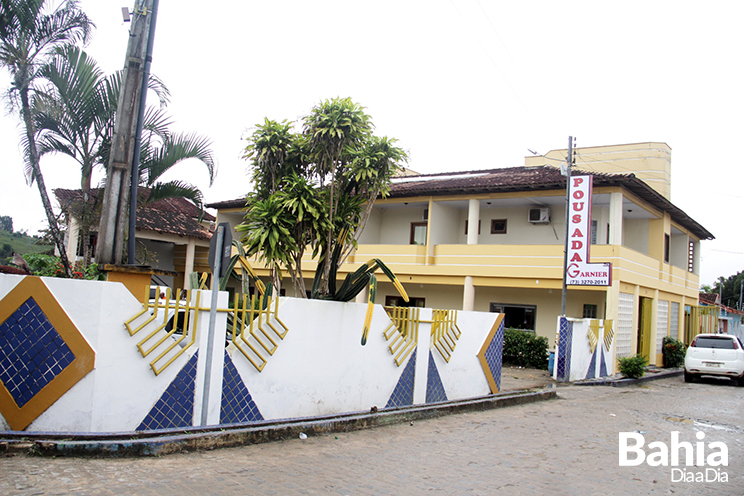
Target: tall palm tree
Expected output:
[30,30]
[74,113]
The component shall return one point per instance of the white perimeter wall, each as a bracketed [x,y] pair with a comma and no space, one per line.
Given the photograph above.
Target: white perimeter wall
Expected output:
[319,368]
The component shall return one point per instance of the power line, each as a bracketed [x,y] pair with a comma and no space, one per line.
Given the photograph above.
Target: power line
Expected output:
[493,62]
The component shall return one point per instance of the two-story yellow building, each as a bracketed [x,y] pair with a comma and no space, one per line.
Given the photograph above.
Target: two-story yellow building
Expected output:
[493,240]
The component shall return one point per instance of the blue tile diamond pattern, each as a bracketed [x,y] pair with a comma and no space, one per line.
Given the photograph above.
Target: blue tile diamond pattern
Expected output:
[175,408]
[434,388]
[403,392]
[602,364]
[32,353]
[565,341]
[494,355]
[237,403]
[591,372]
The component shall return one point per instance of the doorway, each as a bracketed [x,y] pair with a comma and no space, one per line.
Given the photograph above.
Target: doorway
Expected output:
[644,327]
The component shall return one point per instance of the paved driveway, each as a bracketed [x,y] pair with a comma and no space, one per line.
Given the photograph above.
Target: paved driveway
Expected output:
[567,446]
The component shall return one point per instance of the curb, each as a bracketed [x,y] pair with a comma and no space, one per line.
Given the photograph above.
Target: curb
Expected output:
[650,376]
[169,441]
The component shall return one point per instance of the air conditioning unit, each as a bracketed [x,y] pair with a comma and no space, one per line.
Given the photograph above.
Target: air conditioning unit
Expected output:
[539,215]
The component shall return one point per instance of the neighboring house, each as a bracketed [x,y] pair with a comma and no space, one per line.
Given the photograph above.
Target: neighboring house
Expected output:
[493,240]
[170,236]
[719,318]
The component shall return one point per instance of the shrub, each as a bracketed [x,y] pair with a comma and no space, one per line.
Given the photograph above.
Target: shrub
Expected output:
[525,349]
[633,367]
[674,352]
[49,266]
[42,265]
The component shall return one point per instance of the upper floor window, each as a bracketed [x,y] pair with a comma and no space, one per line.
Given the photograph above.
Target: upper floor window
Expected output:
[498,226]
[418,233]
[667,247]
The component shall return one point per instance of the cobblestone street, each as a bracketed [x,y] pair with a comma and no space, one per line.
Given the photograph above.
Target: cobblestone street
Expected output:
[567,446]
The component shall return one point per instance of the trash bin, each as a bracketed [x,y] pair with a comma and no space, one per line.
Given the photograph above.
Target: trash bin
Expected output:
[551,362]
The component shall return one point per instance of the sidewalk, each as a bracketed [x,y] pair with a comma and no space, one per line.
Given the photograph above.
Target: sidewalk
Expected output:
[169,441]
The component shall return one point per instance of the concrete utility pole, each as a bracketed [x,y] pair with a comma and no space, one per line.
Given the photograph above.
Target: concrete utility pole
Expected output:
[569,162]
[116,195]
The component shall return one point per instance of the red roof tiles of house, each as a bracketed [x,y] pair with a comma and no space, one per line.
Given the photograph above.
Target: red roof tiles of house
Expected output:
[175,216]
[518,179]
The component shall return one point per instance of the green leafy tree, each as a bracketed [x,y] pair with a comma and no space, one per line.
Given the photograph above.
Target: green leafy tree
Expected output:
[6,223]
[75,116]
[335,130]
[326,177]
[729,288]
[29,33]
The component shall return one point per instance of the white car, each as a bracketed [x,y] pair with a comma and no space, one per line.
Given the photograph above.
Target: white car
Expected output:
[715,354]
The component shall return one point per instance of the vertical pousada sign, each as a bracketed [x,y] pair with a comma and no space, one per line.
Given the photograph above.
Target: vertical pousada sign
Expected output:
[579,272]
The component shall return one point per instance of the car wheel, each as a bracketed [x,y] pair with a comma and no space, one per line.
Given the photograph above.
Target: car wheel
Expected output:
[689,377]
[740,381]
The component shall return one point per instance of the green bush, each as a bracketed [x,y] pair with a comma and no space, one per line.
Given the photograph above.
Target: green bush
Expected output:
[525,349]
[42,265]
[673,351]
[633,367]
[49,266]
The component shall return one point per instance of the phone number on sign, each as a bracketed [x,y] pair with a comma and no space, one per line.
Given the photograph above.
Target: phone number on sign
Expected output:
[588,282]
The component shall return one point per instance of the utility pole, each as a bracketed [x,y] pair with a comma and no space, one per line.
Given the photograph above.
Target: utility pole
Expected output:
[569,162]
[116,197]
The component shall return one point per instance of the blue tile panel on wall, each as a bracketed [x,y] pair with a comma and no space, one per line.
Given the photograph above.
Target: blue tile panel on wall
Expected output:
[175,408]
[403,392]
[32,353]
[434,388]
[237,403]
[591,372]
[494,355]
[565,341]
[602,363]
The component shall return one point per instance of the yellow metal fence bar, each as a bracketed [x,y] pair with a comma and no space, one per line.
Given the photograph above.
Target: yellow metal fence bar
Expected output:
[258,326]
[403,330]
[254,312]
[240,318]
[445,332]
[186,331]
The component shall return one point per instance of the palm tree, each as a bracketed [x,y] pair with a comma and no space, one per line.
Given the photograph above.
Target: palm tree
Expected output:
[30,30]
[75,116]
[333,129]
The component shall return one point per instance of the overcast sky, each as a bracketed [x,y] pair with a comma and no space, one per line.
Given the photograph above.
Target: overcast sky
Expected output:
[462,84]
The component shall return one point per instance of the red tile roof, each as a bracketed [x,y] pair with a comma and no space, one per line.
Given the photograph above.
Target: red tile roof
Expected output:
[169,216]
[519,179]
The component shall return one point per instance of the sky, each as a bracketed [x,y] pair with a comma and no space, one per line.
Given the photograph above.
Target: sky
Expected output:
[462,84]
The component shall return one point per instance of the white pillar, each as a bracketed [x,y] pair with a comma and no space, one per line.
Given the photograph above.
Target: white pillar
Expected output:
[468,295]
[73,235]
[473,219]
[616,219]
[422,357]
[189,265]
